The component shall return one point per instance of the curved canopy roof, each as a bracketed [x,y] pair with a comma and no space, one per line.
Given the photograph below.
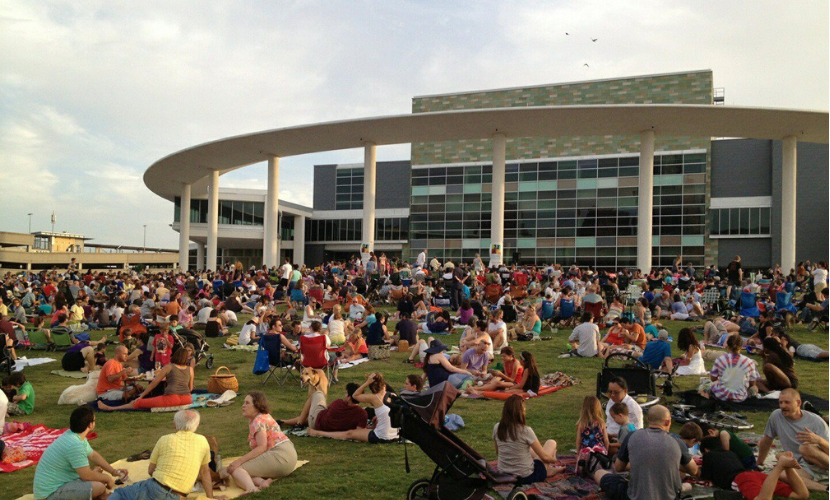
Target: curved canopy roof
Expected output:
[193,165]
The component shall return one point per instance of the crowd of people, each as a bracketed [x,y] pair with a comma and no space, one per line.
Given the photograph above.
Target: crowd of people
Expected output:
[161,317]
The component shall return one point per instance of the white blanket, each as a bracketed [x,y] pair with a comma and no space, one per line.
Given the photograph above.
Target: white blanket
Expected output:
[352,363]
[23,362]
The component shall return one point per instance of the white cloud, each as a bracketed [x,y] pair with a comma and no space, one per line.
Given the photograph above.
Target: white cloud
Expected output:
[94,92]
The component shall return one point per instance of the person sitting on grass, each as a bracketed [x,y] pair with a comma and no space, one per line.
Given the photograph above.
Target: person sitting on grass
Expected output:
[477,360]
[692,361]
[69,466]
[585,339]
[519,450]
[507,377]
[619,415]
[341,415]
[179,378]
[382,430]
[528,380]
[730,441]
[355,348]
[734,376]
[778,367]
[725,470]
[802,433]
[655,457]
[177,460]
[412,385]
[272,454]
[23,403]
[439,369]
[81,356]
[657,354]
[591,436]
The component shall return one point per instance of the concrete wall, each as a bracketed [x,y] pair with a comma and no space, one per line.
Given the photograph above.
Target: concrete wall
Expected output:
[393,184]
[325,183]
[754,252]
[741,167]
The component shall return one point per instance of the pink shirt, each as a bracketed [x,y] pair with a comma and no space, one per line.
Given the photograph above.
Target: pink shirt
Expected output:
[272,430]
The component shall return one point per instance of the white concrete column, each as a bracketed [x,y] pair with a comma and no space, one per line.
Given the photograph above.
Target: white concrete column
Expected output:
[299,240]
[369,185]
[788,222]
[497,211]
[184,229]
[213,221]
[200,256]
[645,217]
[271,231]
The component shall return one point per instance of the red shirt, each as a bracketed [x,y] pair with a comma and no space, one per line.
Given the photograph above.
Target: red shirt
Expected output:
[50,290]
[341,416]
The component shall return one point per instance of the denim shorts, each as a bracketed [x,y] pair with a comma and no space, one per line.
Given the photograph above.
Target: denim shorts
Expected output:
[73,490]
[148,489]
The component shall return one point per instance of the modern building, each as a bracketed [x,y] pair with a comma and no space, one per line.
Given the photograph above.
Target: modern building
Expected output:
[53,250]
[607,173]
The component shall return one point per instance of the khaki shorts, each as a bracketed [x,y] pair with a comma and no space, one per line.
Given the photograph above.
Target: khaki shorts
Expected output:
[279,461]
[818,287]
[318,404]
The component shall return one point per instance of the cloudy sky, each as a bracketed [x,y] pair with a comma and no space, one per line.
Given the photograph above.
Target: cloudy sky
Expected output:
[92,93]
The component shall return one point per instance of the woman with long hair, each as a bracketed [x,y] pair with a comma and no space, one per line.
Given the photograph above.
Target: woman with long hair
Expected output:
[530,381]
[692,361]
[591,435]
[519,450]
[383,432]
[779,371]
[811,352]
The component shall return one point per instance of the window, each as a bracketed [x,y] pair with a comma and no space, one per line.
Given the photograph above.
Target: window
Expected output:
[750,222]
[349,189]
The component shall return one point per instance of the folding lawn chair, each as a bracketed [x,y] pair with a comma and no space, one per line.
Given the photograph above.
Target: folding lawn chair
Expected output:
[712,297]
[749,305]
[280,368]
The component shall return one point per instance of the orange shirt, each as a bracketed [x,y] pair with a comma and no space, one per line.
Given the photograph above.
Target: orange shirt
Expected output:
[111,367]
[641,335]
[173,308]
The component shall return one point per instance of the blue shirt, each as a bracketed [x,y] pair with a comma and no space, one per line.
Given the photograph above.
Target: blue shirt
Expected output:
[655,352]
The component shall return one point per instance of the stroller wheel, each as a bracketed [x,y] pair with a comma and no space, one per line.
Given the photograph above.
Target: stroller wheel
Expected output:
[419,490]
[517,494]
[209,361]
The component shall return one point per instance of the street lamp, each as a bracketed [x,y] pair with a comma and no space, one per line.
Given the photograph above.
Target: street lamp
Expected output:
[144,248]
[30,222]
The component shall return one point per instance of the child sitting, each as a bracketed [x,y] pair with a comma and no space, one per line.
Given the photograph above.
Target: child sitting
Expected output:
[162,353]
[100,354]
[23,402]
[619,412]
[726,471]
[130,342]
[590,430]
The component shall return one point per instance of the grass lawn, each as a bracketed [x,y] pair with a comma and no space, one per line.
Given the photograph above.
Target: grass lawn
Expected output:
[346,469]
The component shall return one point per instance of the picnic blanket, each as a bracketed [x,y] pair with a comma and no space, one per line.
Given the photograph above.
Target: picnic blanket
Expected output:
[64,373]
[352,363]
[34,440]
[551,382]
[237,347]
[23,362]
[200,400]
[563,486]
[138,472]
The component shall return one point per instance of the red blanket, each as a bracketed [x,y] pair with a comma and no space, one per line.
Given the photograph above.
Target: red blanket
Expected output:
[34,441]
[545,389]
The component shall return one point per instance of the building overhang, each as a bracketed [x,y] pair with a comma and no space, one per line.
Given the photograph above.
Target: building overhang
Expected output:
[193,165]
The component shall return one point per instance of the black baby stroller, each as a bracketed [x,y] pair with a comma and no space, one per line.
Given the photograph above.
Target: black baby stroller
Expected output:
[460,472]
[641,382]
[185,335]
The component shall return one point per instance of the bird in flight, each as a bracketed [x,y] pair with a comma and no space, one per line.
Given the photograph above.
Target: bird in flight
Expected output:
[586,65]
[567,33]
[594,39]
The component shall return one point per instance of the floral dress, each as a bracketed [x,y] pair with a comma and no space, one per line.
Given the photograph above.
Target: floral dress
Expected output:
[592,438]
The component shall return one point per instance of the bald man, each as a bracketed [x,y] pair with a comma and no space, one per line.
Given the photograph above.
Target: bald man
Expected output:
[656,459]
[110,382]
[804,434]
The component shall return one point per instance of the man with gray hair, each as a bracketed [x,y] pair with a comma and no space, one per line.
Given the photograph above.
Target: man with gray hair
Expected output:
[176,462]
[656,459]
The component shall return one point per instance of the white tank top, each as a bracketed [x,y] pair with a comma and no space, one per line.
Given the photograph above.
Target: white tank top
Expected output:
[384,429]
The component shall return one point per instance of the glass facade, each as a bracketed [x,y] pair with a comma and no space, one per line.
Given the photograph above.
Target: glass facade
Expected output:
[580,210]
[349,189]
[386,229]
[753,221]
[240,213]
